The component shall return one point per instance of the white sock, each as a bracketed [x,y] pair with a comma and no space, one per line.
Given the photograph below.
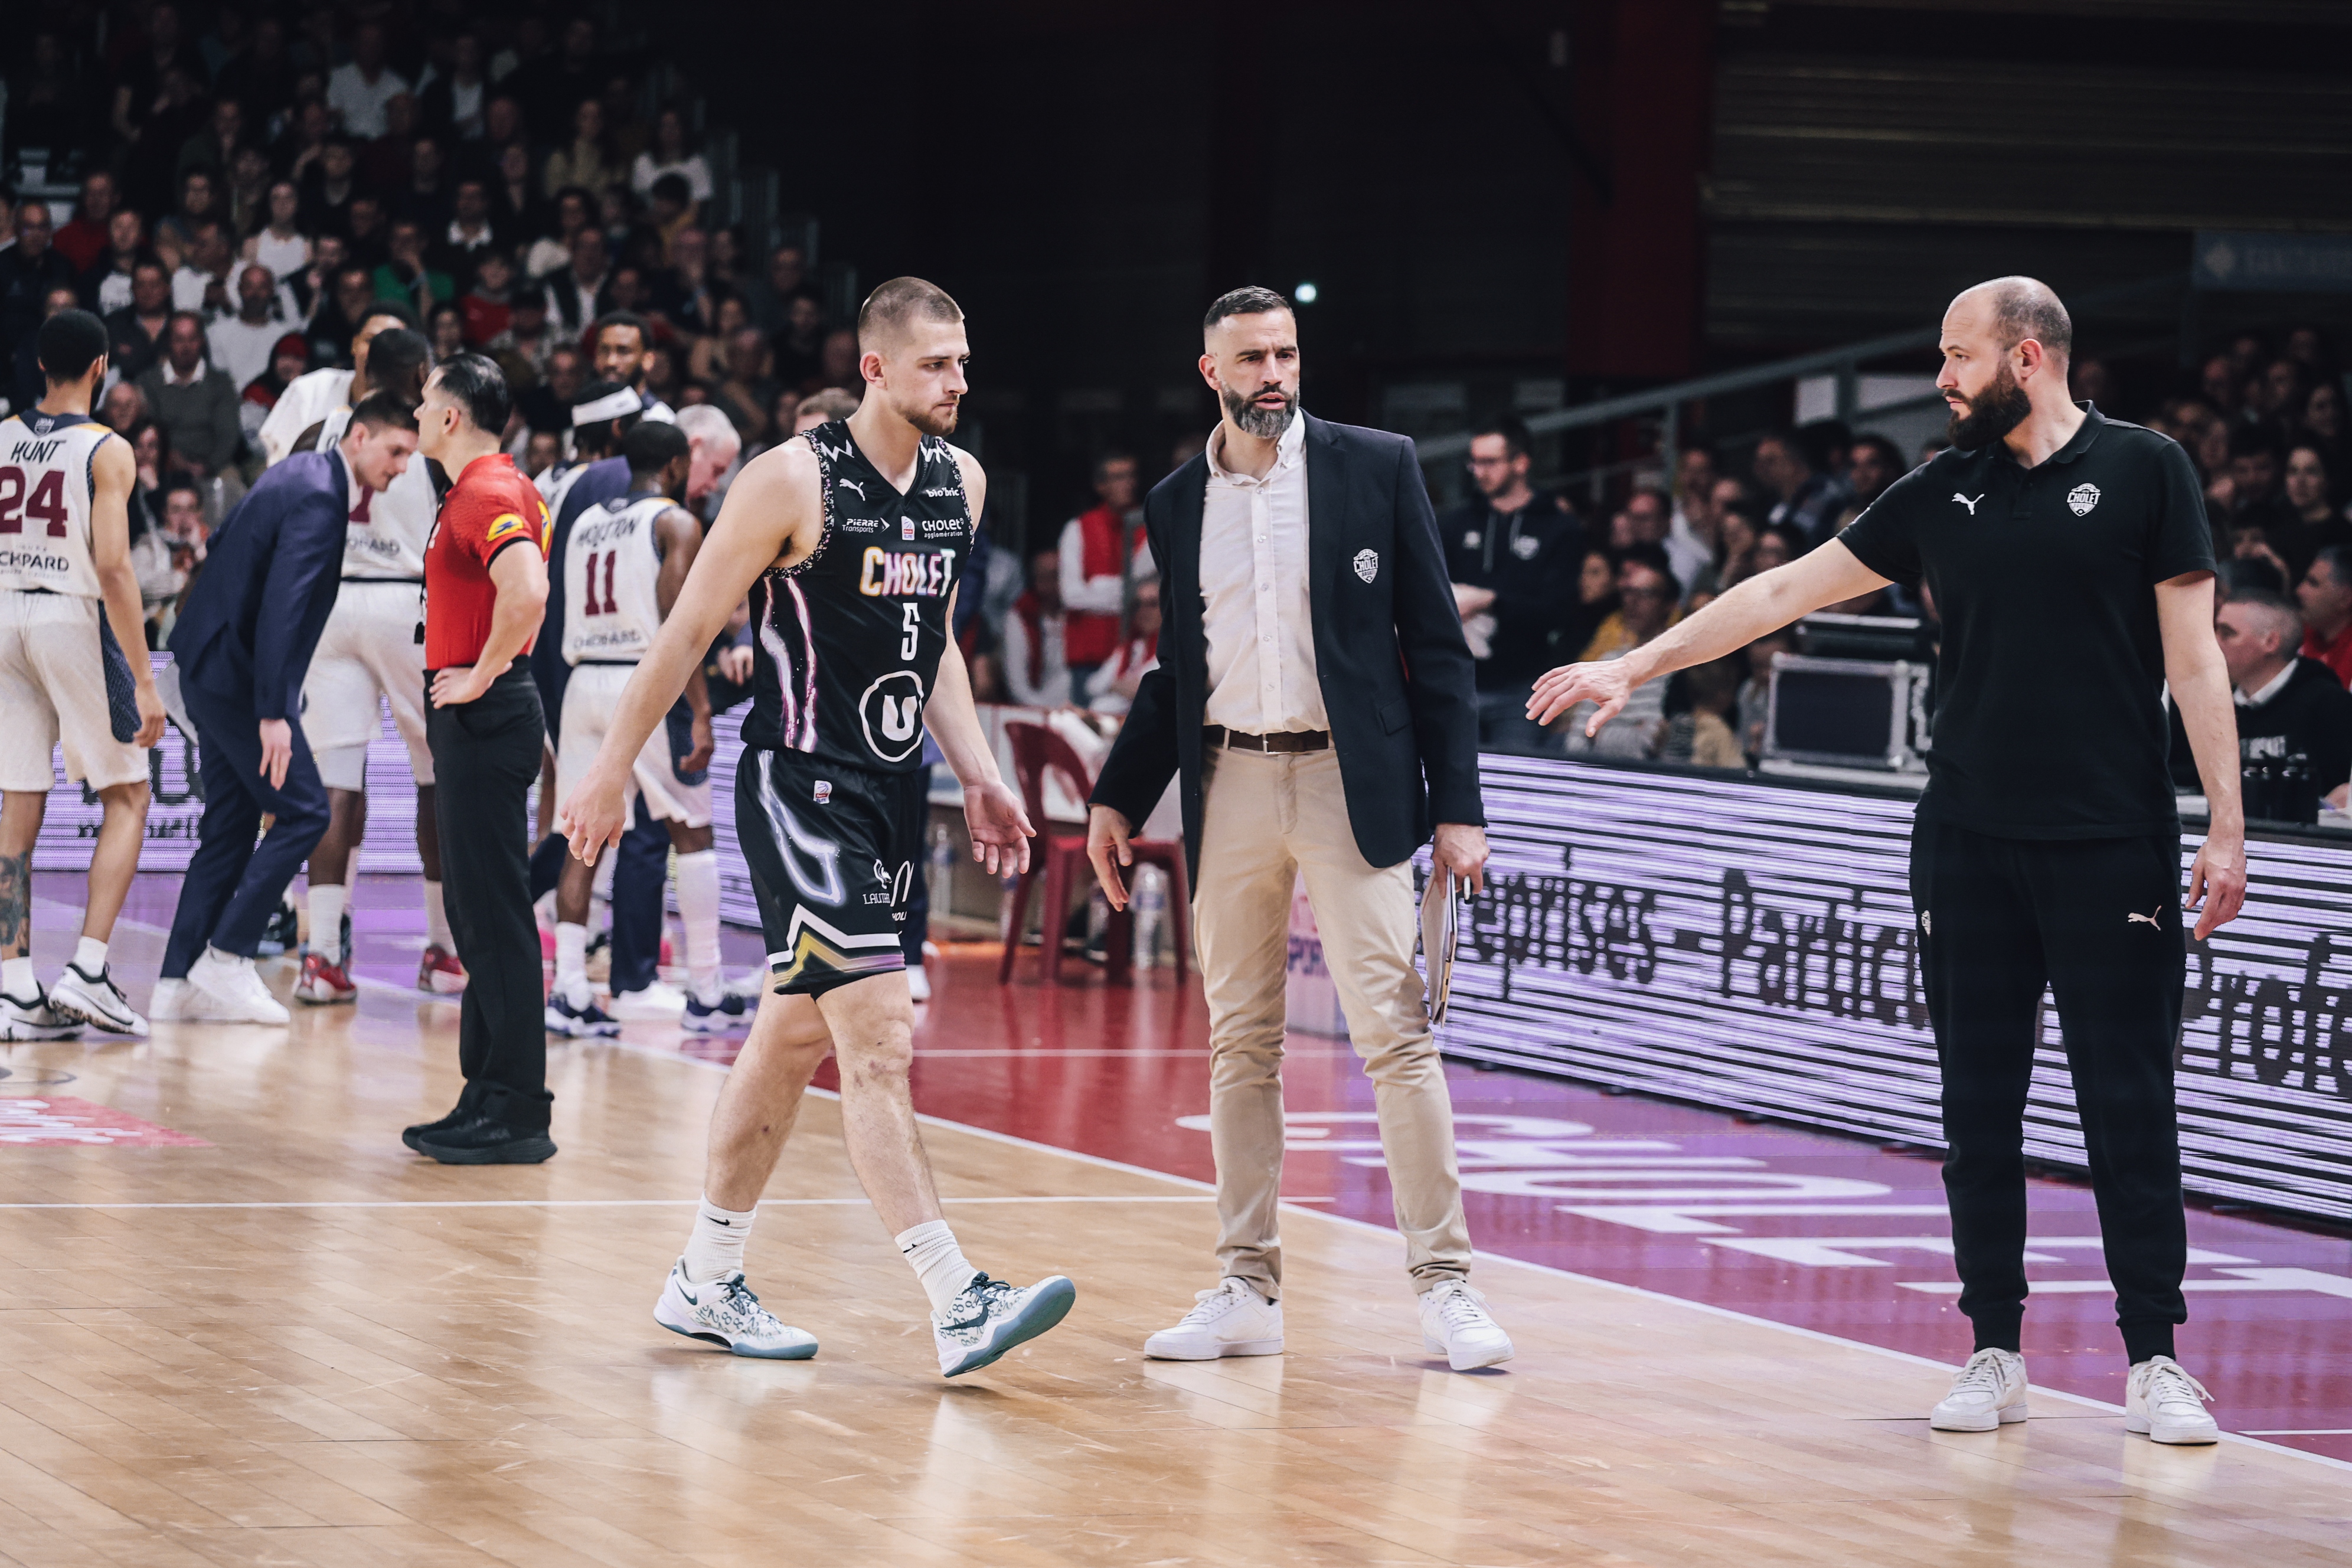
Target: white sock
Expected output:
[16,978]
[436,919]
[572,961]
[930,1247]
[714,1250]
[327,899]
[698,910]
[89,956]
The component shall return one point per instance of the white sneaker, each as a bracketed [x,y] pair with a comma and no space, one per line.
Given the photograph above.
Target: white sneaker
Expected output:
[1232,1320]
[34,1019]
[918,983]
[1986,1393]
[990,1317]
[2163,1401]
[96,1000]
[176,1001]
[233,993]
[660,1003]
[752,985]
[725,1312]
[1454,1320]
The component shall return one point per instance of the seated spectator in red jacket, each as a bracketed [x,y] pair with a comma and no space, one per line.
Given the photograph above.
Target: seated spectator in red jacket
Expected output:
[2324,595]
[1093,569]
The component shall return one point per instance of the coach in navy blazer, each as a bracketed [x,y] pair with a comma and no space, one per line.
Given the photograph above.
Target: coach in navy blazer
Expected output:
[243,645]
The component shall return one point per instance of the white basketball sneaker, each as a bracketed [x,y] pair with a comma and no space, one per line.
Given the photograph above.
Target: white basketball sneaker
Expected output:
[97,1000]
[2163,1401]
[660,1003]
[1986,1393]
[1454,1320]
[1232,1320]
[725,1312]
[176,1001]
[990,1317]
[232,991]
[32,1018]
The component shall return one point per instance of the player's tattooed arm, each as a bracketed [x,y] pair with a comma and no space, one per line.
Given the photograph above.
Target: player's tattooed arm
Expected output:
[16,904]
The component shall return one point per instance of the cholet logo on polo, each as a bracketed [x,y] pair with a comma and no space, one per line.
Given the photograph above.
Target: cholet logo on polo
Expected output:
[2083,498]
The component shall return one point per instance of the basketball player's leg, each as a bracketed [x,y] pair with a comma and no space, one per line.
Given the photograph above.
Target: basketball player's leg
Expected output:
[572,1008]
[682,804]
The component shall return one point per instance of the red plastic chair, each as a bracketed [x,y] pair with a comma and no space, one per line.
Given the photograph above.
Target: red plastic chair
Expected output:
[1060,861]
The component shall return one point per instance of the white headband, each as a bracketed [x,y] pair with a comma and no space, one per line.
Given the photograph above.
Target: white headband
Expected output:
[612,405]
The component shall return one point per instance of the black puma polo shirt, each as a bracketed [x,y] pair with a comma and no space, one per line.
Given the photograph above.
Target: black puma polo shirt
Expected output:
[2049,717]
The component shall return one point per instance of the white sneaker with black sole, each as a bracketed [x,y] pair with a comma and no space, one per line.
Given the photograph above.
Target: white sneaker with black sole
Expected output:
[232,991]
[725,1312]
[1456,1324]
[581,1020]
[1232,1320]
[1988,1392]
[989,1317]
[96,1000]
[34,1019]
[2167,1404]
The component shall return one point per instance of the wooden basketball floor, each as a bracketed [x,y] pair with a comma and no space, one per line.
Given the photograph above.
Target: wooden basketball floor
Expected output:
[285,1339]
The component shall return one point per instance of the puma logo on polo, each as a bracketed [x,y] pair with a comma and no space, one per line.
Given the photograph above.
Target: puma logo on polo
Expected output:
[2135,918]
[1965,501]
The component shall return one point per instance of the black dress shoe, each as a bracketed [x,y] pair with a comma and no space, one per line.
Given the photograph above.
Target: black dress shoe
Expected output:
[484,1141]
[459,1114]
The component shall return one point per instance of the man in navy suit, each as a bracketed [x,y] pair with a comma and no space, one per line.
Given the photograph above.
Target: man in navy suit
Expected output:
[1314,697]
[242,647]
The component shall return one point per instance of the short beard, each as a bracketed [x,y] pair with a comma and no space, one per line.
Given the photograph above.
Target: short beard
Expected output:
[928,420]
[1992,414]
[1265,424]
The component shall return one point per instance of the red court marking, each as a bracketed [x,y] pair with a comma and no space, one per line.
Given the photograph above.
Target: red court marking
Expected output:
[62,1121]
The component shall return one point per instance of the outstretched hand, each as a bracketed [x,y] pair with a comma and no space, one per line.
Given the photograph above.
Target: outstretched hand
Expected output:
[1557,691]
[999,824]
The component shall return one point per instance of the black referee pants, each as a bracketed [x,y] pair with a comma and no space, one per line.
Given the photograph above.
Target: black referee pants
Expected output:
[2099,921]
[486,761]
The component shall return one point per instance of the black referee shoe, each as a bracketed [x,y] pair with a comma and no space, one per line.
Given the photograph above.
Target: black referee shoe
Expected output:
[484,1141]
[459,1114]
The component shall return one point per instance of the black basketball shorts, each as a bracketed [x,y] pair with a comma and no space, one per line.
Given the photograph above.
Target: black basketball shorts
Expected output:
[832,852]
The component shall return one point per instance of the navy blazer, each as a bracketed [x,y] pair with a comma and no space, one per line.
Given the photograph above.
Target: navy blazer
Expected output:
[269,578]
[1390,655]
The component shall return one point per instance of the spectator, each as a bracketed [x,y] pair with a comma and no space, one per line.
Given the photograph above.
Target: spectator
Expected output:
[1111,689]
[360,89]
[261,75]
[289,357]
[525,346]
[106,286]
[202,284]
[452,101]
[405,274]
[585,161]
[769,297]
[193,401]
[800,342]
[1649,596]
[2323,414]
[748,392]
[303,141]
[1094,570]
[426,198]
[365,235]
[445,329]
[1873,464]
[548,406]
[1691,536]
[838,361]
[1703,735]
[2294,718]
[84,241]
[29,269]
[575,293]
[280,244]
[214,149]
[1775,546]
[470,234]
[242,343]
[670,154]
[163,553]
[1756,692]
[151,451]
[673,211]
[2256,461]
[123,408]
[1035,664]
[134,333]
[823,408]
[329,186]
[1808,500]
[337,320]
[1511,553]
[488,303]
[1596,604]
[2312,495]
[2324,595]
[542,451]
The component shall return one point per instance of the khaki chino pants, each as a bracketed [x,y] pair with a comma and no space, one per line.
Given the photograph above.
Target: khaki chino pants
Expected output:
[1267,819]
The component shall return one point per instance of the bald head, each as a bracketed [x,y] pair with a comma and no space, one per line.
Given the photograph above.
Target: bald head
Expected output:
[893,310]
[2015,309]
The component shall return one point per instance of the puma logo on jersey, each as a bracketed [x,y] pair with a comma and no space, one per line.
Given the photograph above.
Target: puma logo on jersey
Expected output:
[906,573]
[2133,917]
[1965,501]
[853,485]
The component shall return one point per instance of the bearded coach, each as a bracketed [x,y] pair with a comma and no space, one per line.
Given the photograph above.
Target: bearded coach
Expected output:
[1314,695]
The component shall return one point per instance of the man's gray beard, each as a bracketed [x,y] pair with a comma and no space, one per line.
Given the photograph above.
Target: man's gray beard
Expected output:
[1265,424]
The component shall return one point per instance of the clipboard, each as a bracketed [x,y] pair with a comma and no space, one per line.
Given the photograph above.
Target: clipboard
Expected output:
[1441,914]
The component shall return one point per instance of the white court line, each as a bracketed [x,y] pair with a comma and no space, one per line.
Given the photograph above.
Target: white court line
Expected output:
[2302,1431]
[2245,1439]
[631,1203]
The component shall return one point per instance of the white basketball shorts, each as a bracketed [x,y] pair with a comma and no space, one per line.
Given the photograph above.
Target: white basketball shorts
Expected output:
[589,696]
[369,648]
[53,691]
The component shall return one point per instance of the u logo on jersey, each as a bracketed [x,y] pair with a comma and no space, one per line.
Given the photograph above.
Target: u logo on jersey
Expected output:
[891,713]
[906,573]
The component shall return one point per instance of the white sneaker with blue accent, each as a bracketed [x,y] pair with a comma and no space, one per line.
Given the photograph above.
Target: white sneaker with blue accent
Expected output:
[1988,1392]
[2162,1400]
[724,1014]
[1455,1323]
[990,1317]
[725,1312]
[581,1020]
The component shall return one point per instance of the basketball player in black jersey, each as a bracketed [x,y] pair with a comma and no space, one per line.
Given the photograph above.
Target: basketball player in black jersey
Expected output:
[852,539]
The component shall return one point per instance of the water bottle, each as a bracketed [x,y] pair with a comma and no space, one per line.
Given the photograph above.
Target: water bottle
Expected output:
[1150,911]
[943,859]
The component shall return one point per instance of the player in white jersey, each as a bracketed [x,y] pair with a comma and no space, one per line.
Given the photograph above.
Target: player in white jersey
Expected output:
[369,651]
[623,567]
[66,582]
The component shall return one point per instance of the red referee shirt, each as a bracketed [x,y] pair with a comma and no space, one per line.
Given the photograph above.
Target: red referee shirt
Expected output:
[490,507]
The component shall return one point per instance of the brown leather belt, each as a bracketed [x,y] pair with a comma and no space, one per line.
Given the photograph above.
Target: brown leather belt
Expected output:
[1216,735]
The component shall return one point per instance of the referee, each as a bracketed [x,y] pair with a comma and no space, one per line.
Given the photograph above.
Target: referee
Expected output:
[483,603]
[2073,570]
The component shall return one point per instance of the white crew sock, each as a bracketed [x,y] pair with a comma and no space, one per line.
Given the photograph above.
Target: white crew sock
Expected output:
[930,1247]
[327,901]
[16,978]
[698,910]
[89,956]
[436,919]
[571,962]
[714,1250]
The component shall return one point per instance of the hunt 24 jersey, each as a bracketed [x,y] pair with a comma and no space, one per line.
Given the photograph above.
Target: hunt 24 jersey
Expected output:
[46,486]
[849,638]
[611,565]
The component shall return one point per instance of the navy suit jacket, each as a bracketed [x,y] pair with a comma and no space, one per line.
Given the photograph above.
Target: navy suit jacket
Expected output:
[1390,655]
[269,578]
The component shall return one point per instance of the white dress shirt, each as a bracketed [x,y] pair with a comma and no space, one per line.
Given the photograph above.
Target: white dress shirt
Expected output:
[1255,612]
